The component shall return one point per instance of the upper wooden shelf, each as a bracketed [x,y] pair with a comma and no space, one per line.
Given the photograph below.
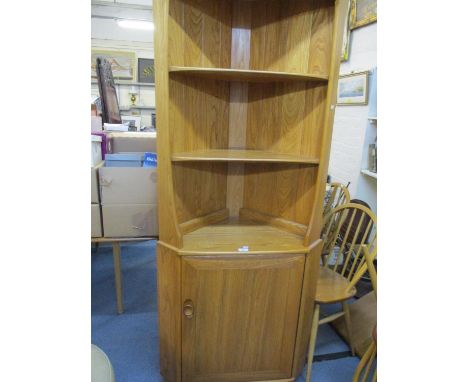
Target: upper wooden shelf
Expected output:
[245,75]
[241,237]
[238,155]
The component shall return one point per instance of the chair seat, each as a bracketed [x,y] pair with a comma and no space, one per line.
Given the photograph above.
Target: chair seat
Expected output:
[101,367]
[331,287]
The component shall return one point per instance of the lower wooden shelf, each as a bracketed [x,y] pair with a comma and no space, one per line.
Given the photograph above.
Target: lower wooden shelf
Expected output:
[240,155]
[234,236]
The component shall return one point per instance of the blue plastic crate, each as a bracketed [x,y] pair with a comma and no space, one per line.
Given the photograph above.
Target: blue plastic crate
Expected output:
[124,160]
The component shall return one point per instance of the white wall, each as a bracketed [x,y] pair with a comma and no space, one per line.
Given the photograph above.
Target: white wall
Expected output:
[351,124]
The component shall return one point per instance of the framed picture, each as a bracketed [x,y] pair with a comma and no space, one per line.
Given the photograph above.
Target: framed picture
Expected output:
[363,12]
[122,63]
[353,89]
[346,36]
[146,70]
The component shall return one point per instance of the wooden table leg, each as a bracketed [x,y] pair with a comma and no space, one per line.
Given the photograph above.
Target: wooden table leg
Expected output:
[118,275]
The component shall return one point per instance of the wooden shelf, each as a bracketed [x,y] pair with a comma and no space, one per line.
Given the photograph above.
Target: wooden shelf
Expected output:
[369,173]
[129,83]
[245,75]
[233,236]
[136,107]
[238,155]
[121,239]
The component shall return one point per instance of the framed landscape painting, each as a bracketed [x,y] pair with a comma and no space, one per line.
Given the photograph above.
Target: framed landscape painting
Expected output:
[363,12]
[353,89]
[122,63]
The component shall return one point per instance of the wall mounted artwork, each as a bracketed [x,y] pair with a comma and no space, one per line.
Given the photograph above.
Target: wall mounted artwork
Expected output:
[363,12]
[353,89]
[146,70]
[346,37]
[122,63]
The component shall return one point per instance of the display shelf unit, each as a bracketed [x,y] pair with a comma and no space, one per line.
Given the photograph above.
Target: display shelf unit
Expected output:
[245,98]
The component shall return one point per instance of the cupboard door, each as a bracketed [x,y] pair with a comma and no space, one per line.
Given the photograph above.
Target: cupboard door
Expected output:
[239,316]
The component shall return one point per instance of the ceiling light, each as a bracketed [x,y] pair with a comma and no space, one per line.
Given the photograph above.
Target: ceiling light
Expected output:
[136,24]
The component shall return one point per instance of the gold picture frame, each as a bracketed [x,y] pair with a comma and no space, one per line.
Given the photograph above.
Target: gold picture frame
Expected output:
[346,37]
[353,89]
[363,12]
[123,63]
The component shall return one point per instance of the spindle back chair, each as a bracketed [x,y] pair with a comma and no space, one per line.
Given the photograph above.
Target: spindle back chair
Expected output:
[337,196]
[350,242]
[346,230]
[366,370]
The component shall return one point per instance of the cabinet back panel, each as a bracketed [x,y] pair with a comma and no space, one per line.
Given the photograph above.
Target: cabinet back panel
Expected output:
[200,189]
[286,117]
[198,113]
[200,33]
[283,190]
[198,119]
[285,35]
[291,36]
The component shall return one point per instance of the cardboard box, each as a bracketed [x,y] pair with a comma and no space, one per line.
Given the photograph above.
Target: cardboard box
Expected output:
[128,185]
[96,153]
[106,144]
[133,142]
[96,226]
[95,183]
[96,123]
[130,220]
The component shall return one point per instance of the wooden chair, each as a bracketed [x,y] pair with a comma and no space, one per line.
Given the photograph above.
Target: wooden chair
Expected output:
[337,196]
[367,368]
[349,231]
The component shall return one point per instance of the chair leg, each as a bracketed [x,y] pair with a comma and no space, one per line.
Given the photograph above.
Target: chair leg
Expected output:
[366,359]
[118,276]
[313,337]
[347,317]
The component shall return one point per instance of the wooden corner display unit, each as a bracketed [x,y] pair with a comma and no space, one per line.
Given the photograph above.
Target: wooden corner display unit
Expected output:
[245,96]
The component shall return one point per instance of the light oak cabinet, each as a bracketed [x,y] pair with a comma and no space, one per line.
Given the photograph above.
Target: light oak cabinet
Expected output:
[245,96]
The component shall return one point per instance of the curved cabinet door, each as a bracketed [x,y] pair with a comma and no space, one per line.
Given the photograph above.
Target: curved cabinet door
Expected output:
[239,316]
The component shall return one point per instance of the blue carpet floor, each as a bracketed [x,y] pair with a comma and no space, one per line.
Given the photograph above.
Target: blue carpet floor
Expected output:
[131,339]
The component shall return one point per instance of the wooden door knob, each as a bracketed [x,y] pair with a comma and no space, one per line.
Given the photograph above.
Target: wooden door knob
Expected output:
[188,308]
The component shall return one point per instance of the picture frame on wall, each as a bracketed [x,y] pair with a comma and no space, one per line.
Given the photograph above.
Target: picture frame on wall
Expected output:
[122,63]
[363,12]
[146,70]
[346,37]
[353,89]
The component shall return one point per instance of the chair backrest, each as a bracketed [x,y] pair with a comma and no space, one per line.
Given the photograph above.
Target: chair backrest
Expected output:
[347,229]
[337,196]
[367,266]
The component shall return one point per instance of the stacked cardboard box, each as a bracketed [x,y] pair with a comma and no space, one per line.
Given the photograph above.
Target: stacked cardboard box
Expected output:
[96,221]
[124,202]
[128,199]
